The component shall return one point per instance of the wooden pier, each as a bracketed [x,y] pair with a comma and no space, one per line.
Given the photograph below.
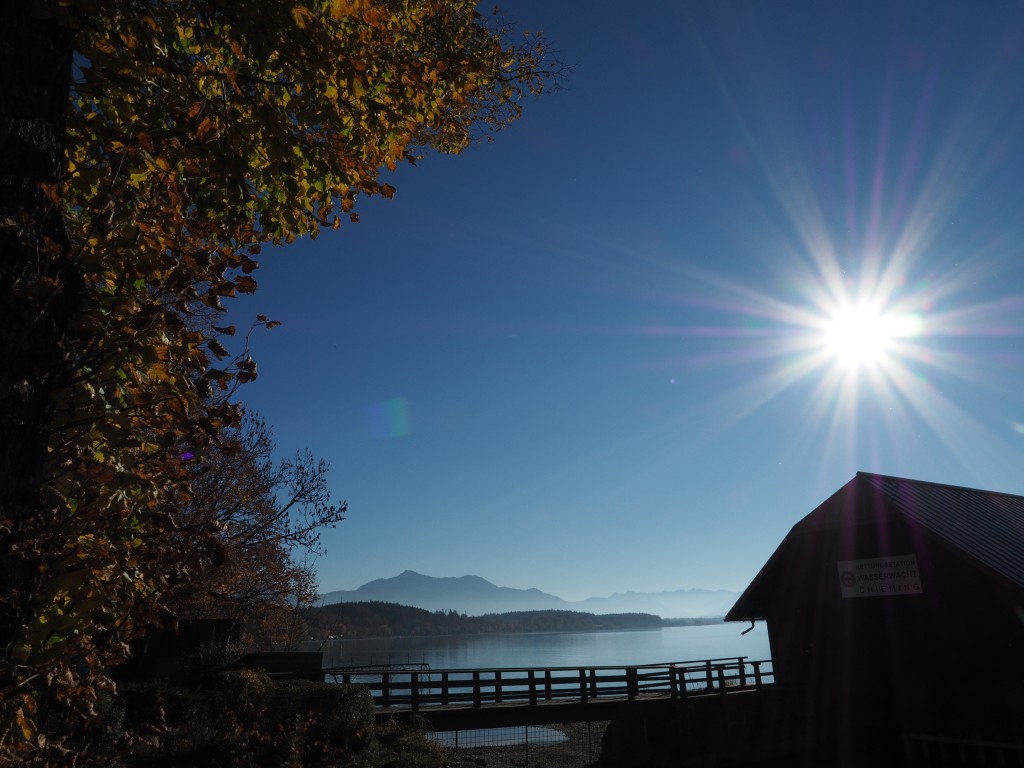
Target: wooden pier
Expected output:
[517,691]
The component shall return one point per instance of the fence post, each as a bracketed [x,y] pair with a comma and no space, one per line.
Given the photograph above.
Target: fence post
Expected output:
[533,688]
[743,671]
[476,690]
[548,694]
[632,686]
[593,683]
[414,690]
[444,687]
[721,678]
[711,679]
[385,694]
[673,681]
[583,686]
[497,686]
[757,674]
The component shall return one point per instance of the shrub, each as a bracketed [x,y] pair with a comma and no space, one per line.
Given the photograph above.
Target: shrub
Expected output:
[243,718]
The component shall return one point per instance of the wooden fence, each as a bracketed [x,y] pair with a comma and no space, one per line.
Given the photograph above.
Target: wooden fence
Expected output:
[416,689]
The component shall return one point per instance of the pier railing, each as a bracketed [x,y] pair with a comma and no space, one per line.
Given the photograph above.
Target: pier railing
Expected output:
[415,689]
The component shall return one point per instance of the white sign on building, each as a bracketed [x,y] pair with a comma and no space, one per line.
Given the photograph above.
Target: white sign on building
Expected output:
[880,576]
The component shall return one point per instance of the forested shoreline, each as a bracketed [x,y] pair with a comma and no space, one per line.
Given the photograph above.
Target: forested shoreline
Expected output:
[381,619]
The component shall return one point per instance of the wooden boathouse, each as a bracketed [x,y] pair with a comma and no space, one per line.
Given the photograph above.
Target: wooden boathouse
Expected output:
[895,613]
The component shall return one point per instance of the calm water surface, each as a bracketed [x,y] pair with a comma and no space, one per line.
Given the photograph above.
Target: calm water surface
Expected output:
[556,649]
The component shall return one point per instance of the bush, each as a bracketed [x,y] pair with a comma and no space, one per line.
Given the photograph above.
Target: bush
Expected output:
[243,719]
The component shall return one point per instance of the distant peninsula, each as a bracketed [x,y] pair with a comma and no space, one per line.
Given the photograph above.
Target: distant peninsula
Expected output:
[382,619]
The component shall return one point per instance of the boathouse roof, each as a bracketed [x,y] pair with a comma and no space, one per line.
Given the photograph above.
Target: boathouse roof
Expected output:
[984,527]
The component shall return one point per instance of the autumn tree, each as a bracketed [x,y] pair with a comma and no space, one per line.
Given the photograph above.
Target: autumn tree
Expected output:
[148,151]
[269,514]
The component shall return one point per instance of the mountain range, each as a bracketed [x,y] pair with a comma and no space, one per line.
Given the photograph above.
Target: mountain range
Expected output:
[475,596]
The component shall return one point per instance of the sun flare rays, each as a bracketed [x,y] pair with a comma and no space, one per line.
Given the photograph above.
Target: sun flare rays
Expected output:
[868,285]
[870,373]
[875,330]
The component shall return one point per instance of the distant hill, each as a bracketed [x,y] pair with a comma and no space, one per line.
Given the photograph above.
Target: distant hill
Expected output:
[471,595]
[680,603]
[476,596]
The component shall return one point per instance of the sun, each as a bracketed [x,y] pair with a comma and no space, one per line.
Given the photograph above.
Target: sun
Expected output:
[857,336]
[863,335]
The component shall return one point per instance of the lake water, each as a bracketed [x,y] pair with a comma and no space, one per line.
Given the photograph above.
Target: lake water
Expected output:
[556,649]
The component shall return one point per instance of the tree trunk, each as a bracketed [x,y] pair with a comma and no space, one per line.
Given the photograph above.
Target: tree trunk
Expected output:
[40,286]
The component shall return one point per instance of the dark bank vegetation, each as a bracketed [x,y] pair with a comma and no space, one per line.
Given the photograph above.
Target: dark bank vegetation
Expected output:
[242,718]
[380,619]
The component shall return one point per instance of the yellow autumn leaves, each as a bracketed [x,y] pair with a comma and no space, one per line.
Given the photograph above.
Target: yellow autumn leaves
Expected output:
[198,133]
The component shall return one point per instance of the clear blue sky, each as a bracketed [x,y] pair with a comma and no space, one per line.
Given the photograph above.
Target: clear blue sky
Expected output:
[592,356]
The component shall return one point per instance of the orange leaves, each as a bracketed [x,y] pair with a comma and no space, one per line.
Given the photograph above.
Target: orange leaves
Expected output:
[261,510]
[267,322]
[246,370]
[362,9]
[194,138]
[374,17]
[248,265]
[245,284]
[302,16]
[217,348]
[27,726]
[207,130]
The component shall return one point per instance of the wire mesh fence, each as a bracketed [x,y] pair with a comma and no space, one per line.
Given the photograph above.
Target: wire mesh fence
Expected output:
[561,745]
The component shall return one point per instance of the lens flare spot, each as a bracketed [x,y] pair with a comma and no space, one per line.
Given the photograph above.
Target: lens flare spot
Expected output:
[389,418]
